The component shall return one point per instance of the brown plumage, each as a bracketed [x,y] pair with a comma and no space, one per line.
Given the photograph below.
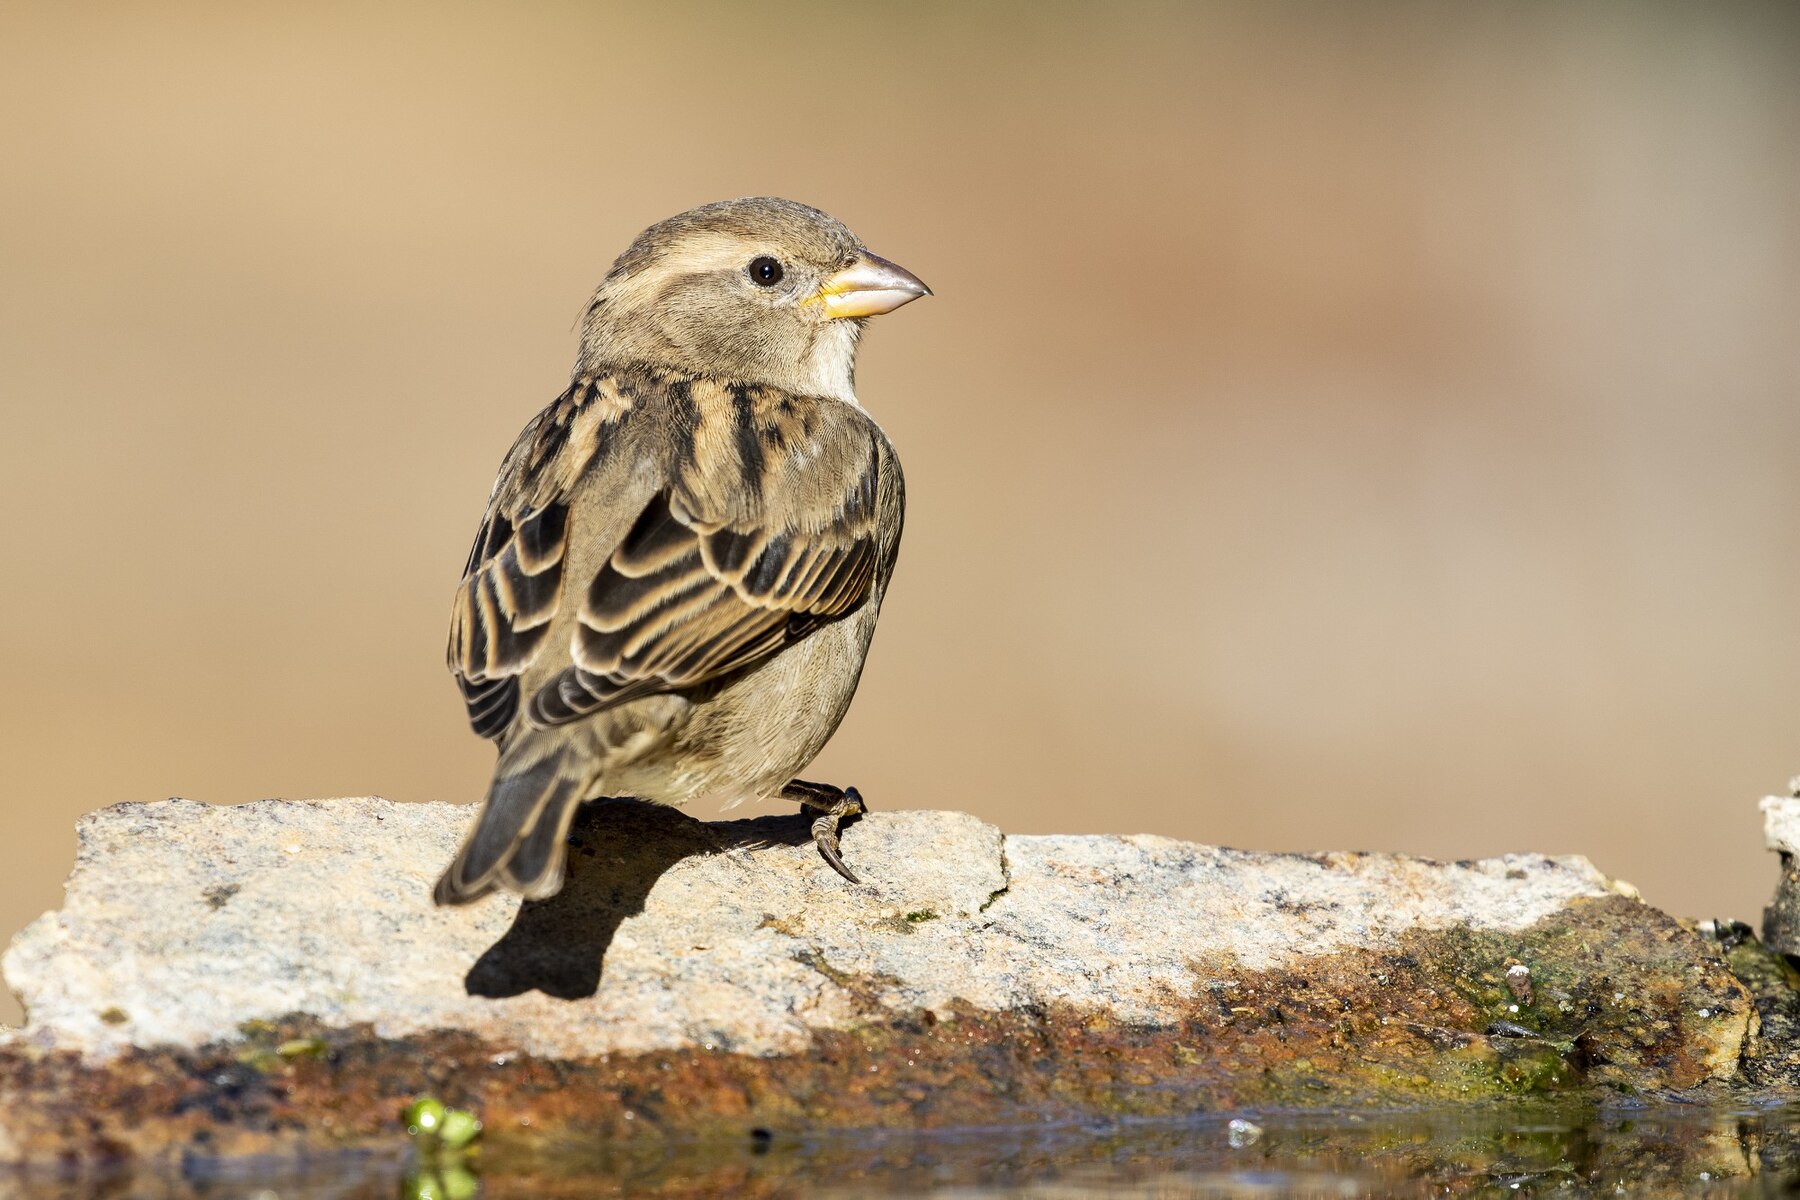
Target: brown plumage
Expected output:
[678,575]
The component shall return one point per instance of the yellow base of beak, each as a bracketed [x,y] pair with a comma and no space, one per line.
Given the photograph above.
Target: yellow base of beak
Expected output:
[868,287]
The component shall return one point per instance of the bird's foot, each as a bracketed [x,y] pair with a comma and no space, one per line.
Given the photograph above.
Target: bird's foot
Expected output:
[833,804]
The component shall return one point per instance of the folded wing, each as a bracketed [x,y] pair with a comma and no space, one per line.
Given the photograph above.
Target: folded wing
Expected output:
[689,597]
[512,587]
[763,529]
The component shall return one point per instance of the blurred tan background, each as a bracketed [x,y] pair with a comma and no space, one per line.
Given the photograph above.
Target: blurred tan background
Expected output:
[1337,426]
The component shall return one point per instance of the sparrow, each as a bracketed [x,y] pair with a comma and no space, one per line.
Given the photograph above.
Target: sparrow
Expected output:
[675,583]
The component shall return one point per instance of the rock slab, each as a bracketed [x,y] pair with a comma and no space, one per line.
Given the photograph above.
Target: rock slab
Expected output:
[701,977]
[1781,833]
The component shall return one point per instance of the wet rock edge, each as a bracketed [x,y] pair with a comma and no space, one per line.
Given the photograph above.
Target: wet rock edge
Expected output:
[1624,1005]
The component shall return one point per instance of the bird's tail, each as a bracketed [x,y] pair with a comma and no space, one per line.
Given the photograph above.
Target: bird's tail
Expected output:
[520,835]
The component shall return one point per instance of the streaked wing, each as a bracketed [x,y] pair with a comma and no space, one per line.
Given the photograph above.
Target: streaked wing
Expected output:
[512,587]
[690,596]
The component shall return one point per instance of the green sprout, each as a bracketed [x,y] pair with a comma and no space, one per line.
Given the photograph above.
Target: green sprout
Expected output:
[459,1128]
[424,1117]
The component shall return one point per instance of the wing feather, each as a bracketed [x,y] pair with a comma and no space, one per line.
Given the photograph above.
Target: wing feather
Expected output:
[512,586]
[711,579]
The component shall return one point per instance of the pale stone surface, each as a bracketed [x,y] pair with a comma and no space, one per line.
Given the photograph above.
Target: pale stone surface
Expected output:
[1781,830]
[1781,823]
[184,920]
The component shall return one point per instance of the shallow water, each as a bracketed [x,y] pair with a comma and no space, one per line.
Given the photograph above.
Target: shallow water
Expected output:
[1544,1152]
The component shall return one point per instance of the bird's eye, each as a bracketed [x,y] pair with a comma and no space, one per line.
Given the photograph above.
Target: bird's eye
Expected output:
[766,271]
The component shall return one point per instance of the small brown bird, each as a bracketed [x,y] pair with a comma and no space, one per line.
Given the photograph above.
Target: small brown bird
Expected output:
[678,575]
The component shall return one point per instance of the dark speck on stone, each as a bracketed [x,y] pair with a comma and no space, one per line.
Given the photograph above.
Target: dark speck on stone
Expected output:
[1511,1029]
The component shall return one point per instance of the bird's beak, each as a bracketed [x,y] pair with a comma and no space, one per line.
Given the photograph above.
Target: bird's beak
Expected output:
[868,287]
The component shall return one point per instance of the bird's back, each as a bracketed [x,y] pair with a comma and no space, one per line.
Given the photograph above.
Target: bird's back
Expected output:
[781,511]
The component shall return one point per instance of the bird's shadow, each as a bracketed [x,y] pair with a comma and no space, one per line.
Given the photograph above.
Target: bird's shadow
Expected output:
[618,849]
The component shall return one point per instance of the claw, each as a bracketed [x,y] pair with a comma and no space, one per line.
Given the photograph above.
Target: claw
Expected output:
[825,837]
[833,806]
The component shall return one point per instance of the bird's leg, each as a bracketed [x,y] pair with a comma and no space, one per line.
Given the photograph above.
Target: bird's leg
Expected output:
[832,804]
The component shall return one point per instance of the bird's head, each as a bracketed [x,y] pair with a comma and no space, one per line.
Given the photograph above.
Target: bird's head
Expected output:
[759,290]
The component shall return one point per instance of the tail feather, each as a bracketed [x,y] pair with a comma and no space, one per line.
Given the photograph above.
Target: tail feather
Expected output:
[537,865]
[520,835]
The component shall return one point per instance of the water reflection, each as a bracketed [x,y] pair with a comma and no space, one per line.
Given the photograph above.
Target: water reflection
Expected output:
[1548,1152]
